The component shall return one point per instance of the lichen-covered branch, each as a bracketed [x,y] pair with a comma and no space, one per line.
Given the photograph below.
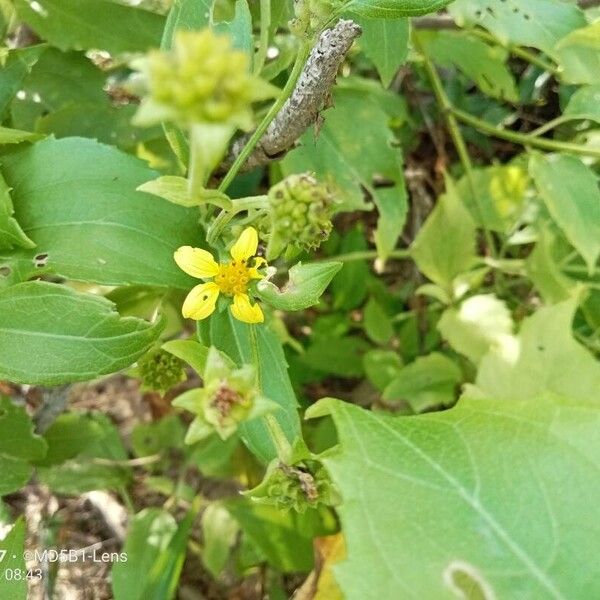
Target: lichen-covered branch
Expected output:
[308,99]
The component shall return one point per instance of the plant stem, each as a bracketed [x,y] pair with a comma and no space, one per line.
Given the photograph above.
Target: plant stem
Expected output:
[457,137]
[560,120]
[524,139]
[225,216]
[275,108]
[530,57]
[263,43]
[367,255]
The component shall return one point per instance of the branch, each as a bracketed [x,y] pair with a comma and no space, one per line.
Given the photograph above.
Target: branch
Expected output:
[308,99]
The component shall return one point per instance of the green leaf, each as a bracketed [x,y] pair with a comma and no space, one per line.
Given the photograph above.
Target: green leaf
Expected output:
[349,286]
[239,28]
[570,191]
[190,351]
[92,24]
[11,233]
[305,286]
[476,325]
[149,534]
[381,367]
[76,200]
[385,42]
[284,537]
[237,340]
[68,436]
[445,245]
[378,325]
[19,446]
[342,357]
[14,546]
[16,136]
[484,64]
[427,383]
[537,23]
[50,334]
[584,104]
[394,9]
[579,56]
[491,496]
[350,156]
[219,533]
[544,359]
[14,70]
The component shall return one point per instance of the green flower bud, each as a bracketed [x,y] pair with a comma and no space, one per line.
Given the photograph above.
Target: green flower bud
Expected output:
[508,187]
[229,397]
[312,15]
[202,79]
[160,371]
[301,211]
[305,484]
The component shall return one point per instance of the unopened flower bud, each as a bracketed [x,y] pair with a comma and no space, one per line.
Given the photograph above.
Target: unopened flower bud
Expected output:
[301,211]
[160,371]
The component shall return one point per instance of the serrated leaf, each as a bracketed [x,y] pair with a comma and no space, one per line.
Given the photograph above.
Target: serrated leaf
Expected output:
[19,446]
[436,500]
[305,286]
[445,245]
[76,200]
[476,325]
[385,42]
[50,334]
[570,190]
[92,24]
[351,156]
[537,23]
[393,9]
[543,359]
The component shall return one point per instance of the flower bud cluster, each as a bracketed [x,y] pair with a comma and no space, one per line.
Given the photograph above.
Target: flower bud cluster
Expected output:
[160,371]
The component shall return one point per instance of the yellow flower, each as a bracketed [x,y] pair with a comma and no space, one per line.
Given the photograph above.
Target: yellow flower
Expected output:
[230,278]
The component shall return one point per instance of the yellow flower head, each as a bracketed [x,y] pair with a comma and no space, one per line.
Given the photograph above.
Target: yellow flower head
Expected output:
[230,278]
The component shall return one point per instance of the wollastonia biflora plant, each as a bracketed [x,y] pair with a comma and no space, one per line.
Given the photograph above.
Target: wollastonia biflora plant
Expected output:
[343,255]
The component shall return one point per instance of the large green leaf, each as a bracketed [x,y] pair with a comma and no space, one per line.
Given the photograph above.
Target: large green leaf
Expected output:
[537,23]
[77,200]
[393,9]
[92,24]
[570,191]
[19,446]
[50,334]
[354,156]
[492,499]
[257,344]
[484,64]
[544,359]
[385,42]
[579,55]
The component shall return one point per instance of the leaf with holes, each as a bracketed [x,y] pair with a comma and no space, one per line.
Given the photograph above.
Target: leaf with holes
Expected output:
[491,499]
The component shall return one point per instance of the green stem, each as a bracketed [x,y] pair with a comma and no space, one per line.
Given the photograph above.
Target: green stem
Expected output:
[530,57]
[262,128]
[524,139]
[263,43]
[367,255]
[225,216]
[457,137]
[560,120]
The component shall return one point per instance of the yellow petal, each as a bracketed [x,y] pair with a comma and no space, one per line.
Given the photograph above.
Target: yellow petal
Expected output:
[242,310]
[246,245]
[201,301]
[196,262]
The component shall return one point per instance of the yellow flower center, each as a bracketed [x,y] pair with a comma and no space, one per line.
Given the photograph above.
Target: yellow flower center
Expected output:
[233,278]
